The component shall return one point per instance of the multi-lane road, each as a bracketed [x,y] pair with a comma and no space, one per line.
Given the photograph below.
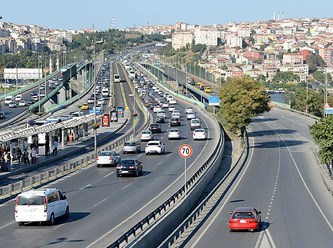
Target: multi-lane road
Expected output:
[103,206]
[280,179]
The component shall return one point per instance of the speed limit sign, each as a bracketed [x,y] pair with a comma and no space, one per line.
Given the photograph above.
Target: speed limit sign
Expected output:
[185,151]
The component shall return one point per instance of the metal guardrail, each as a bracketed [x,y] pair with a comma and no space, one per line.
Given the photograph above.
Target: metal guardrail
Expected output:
[170,203]
[200,213]
[62,170]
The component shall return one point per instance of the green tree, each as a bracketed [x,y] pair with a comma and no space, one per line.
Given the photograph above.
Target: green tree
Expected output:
[242,99]
[314,101]
[283,77]
[322,133]
[314,62]
[319,76]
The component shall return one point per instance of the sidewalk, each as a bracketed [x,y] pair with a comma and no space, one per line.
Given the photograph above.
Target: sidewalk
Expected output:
[86,143]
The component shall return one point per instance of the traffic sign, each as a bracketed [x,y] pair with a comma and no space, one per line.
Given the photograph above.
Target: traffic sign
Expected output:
[185,151]
[328,111]
[214,101]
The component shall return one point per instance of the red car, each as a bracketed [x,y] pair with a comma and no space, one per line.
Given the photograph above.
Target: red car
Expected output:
[245,218]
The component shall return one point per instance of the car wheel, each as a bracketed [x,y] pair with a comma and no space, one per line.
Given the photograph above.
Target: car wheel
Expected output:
[147,153]
[118,175]
[124,152]
[21,223]
[137,173]
[141,173]
[51,221]
[67,213]
[98,165]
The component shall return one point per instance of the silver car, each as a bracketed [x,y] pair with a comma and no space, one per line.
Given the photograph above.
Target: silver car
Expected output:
[107,158]
[147,135]
[174,133]
[131,147]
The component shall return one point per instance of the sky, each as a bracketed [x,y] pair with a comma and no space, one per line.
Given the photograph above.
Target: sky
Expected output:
[100,14]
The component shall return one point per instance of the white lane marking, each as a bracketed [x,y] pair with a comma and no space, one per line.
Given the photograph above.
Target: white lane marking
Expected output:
[10,223]
[159,163]
[85,187]
[227,199]
[270,239]
[306,187]
[100,202]
[126,186]
[109,174]
[181,177]
[140,155]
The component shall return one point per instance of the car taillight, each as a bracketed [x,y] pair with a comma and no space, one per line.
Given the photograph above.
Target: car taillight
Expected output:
[233,221]
[159,146]
[110,158]
[252,220]
[45,205]
[16,203]
[97,158]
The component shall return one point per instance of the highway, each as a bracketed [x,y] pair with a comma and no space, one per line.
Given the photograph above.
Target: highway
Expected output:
[280,179]
[103,206]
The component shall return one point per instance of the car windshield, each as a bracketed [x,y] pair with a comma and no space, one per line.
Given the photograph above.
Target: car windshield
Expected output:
[153,144]
[145,132]
[105,154]
[173,131]
[31,200]
[127,162]
[129,143]
[243,215]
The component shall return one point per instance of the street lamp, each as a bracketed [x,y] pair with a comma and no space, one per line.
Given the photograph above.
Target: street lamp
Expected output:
[94,78]
[134,113]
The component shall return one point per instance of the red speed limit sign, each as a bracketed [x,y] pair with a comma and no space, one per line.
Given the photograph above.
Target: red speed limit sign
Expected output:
[185,151]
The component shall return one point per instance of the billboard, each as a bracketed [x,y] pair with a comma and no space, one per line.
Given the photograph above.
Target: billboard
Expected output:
[22,73]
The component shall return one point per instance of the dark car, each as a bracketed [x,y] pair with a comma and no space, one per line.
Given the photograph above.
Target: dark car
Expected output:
[129,166]
[2,115]
[160,119]
[174,121]
[155,128]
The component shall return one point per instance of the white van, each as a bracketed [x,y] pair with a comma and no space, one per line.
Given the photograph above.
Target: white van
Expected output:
[41,205]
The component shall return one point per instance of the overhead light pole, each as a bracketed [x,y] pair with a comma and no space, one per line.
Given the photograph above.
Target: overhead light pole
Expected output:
[94,78]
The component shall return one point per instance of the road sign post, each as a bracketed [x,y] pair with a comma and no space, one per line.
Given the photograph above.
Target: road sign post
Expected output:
[185,151]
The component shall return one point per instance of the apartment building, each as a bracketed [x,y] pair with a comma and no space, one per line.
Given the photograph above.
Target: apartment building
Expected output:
[327,55]
[292,59]
[181,39]
[209,37]
[301,70]
[233,40]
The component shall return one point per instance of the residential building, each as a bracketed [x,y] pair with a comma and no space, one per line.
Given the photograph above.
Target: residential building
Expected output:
[181,39]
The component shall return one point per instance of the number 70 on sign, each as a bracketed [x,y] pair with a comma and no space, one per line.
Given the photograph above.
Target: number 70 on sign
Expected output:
[185,151]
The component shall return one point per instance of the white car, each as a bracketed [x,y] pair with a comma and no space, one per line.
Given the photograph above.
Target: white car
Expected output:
[18,98]
[155,146]
[107,158]
[189,110]
[172,101]
[156,109]
[190,116]
[171,108]
[90,101]
[161,113]
[147,135]
[175,115]
[8,99]
[195,123]
[41,205]
[165,105]
[199,134]
[174,133]
[100,101]
[22,103]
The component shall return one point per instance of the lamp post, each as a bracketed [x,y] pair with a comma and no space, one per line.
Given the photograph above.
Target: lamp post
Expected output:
[93,77]
[16,75]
